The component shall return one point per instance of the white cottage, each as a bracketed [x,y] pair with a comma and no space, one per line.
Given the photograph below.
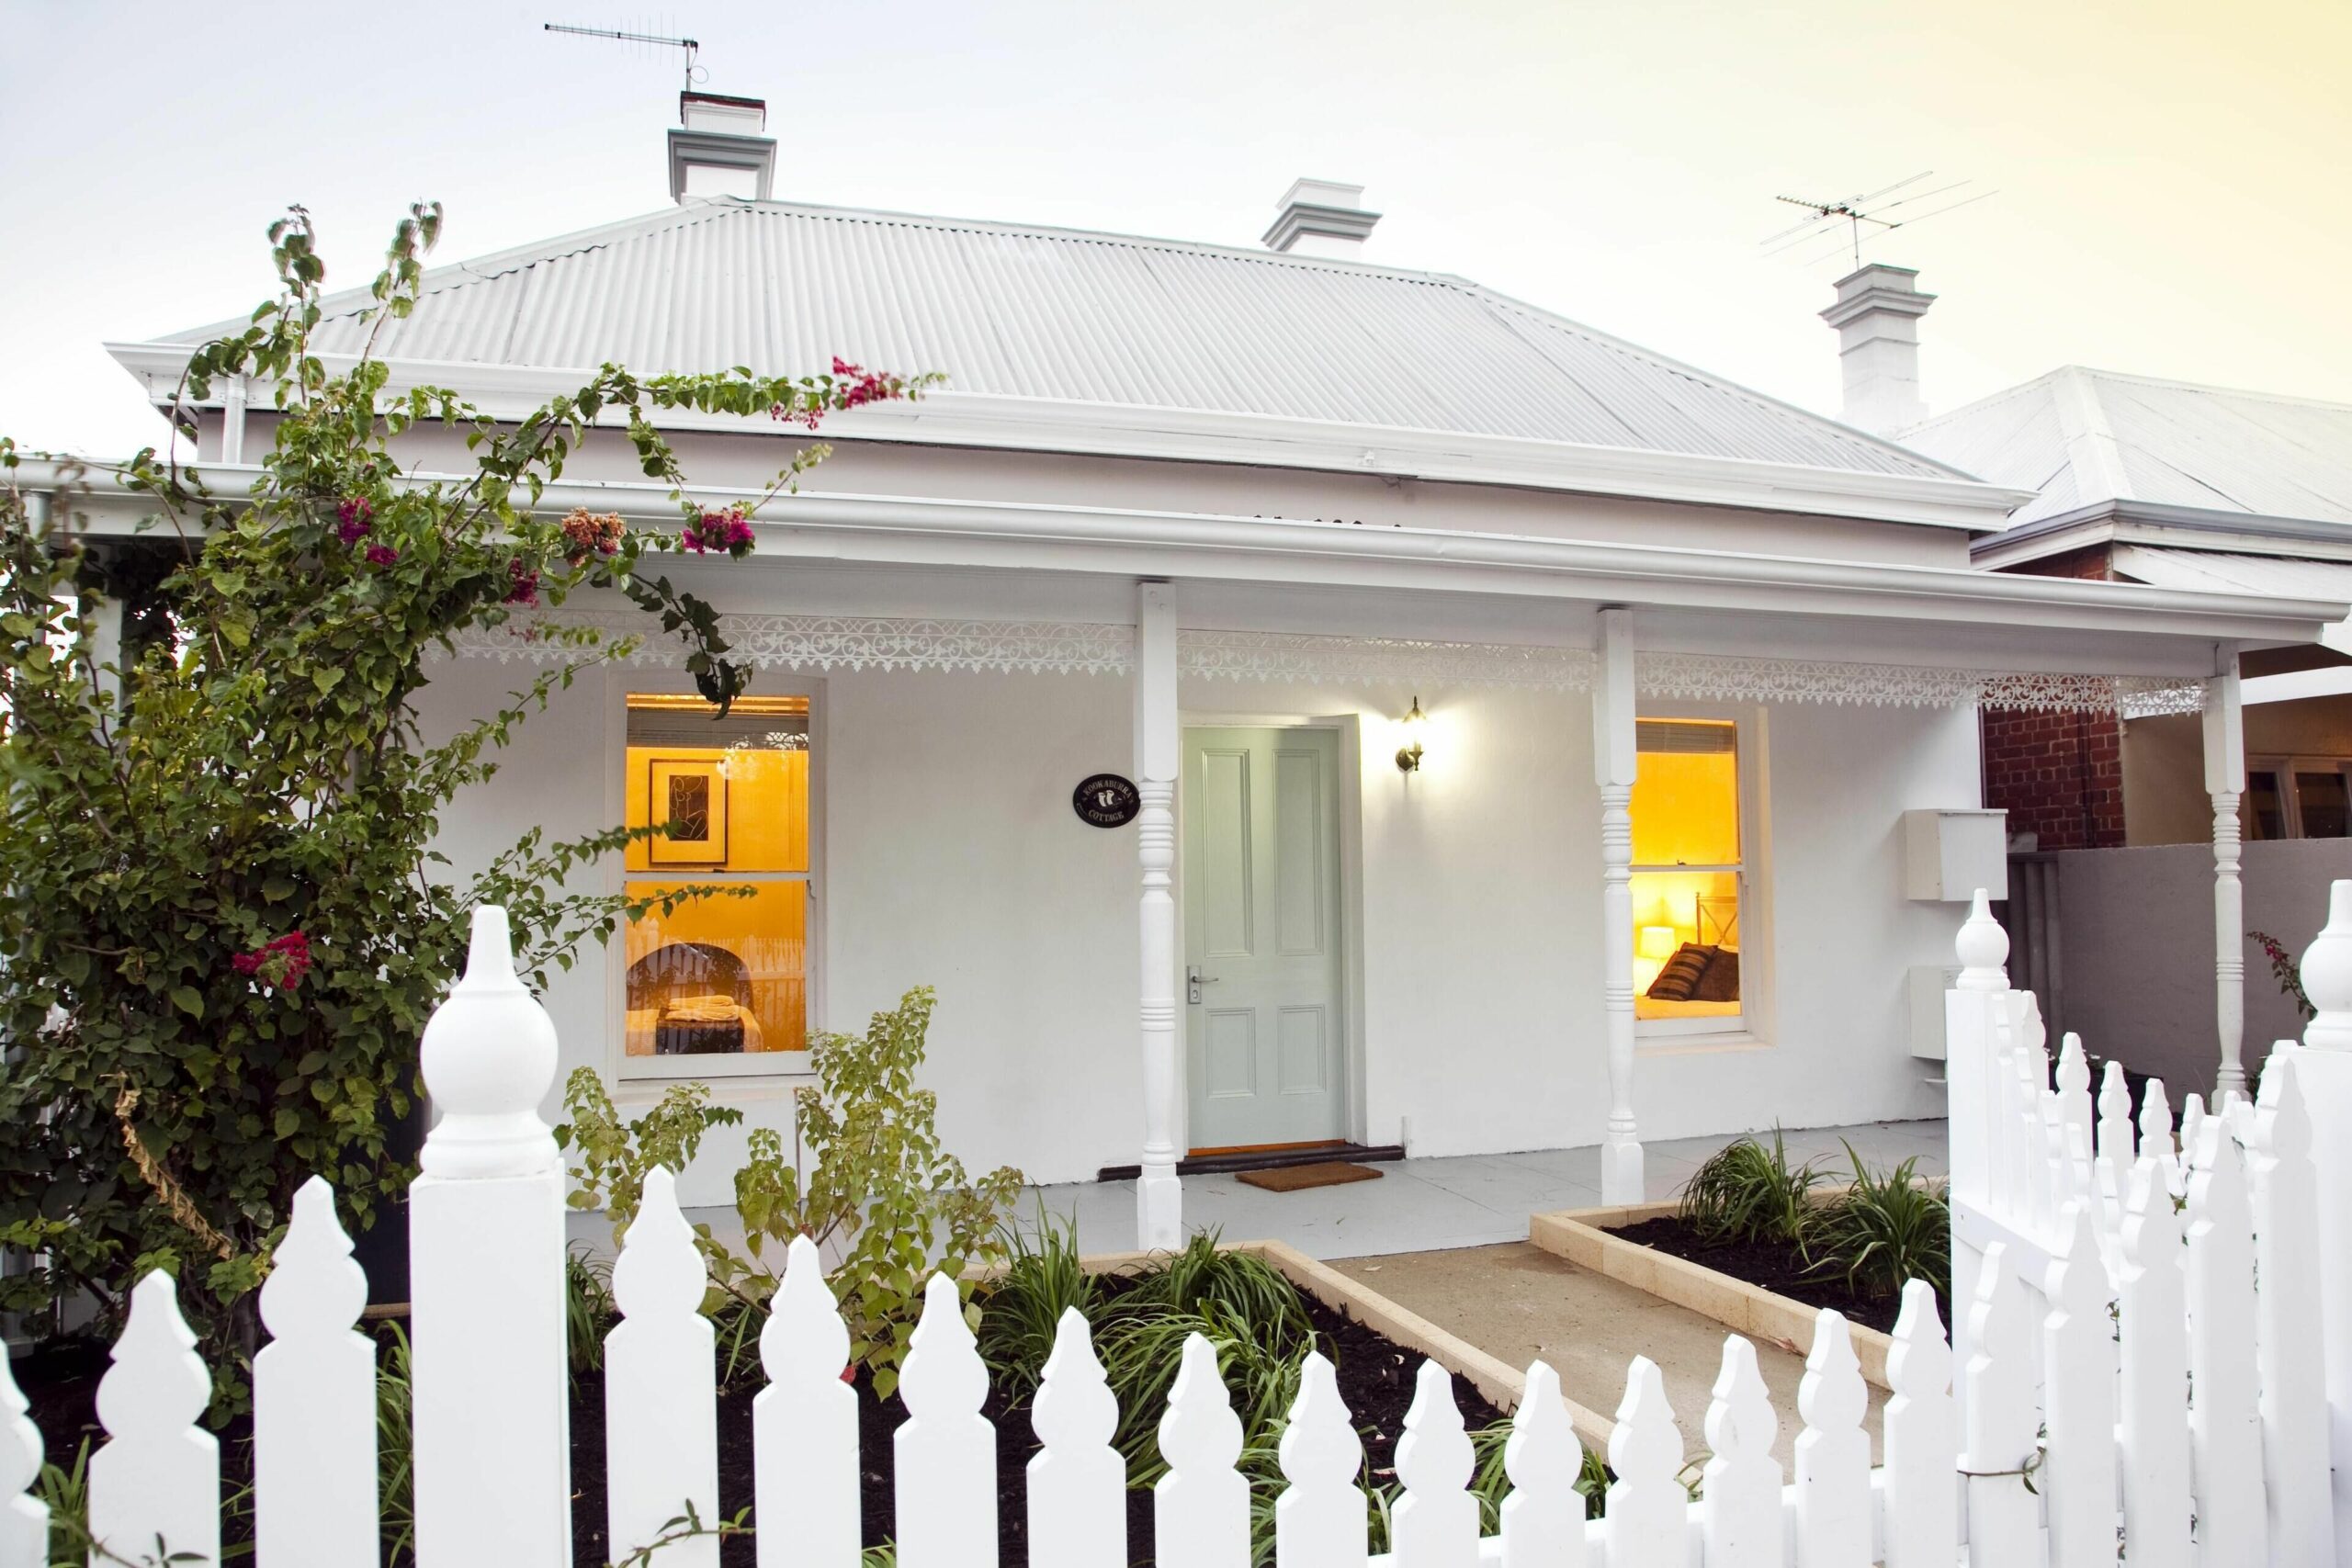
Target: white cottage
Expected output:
[1489,735]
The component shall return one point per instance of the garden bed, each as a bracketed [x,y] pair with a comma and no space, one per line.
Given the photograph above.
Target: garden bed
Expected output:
[1375,1372]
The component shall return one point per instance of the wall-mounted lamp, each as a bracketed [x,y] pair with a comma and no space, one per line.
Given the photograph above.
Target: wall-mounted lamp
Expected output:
[1408,756]
[1656,941]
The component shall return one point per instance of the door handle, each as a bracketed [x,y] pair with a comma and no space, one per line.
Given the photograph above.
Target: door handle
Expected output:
[1193,981]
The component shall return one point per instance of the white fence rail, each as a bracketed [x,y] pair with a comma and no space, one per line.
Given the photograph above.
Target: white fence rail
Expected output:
[2137,1348]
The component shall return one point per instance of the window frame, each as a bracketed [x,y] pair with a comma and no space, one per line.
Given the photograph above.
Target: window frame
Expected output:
[2291,806]
[620,685]
[1744,1028]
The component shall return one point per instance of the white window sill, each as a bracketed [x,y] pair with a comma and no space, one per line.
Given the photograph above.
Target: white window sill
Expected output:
[1684,1044]
[710,1068]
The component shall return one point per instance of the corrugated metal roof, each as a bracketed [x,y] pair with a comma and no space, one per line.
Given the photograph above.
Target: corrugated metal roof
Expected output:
[2210,571]
[2085,436]
[1094,318]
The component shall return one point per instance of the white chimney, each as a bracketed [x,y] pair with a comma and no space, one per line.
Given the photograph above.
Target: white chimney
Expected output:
[716,148]
[1877,317]
[1322,218]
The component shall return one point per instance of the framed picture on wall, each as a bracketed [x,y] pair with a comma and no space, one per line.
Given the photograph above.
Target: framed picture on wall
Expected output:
[690,794]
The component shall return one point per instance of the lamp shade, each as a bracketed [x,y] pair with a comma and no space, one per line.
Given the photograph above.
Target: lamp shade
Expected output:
[1656,941]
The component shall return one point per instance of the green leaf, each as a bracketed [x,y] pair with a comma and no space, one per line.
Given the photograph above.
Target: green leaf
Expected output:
[188,1000]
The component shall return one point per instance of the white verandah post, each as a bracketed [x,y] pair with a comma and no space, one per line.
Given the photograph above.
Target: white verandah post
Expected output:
[2225,781]
[1160,1199]
[1613,764]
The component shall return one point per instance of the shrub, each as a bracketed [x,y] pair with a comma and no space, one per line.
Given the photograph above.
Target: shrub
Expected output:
[1020,1310]
[867,1181]
[1886,1230]
[1748,1192]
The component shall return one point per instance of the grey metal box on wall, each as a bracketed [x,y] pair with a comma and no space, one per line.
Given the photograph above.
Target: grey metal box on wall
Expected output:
[1947,855]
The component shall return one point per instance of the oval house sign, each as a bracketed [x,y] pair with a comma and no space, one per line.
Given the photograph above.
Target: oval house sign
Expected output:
[1106,800]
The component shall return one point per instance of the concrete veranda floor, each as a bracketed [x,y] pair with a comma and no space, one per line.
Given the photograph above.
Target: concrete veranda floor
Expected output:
[1418,1205]
[1430,1205]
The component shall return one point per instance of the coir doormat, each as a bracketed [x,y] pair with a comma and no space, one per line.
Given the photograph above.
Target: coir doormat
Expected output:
[1298,1178]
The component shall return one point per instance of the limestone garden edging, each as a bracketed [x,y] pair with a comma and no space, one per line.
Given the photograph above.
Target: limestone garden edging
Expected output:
[1583,1237]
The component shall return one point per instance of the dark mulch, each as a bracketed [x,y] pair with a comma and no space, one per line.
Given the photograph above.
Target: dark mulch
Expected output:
[1773,1266]
[1375,1378]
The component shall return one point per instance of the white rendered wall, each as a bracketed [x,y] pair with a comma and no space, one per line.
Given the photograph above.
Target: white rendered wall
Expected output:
[952,858]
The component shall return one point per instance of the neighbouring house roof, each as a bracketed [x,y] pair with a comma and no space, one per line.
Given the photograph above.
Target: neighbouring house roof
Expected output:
[1038,313]
[2086,439]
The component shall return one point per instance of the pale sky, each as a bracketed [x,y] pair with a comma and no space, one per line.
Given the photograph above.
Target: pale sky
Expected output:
[2171,173]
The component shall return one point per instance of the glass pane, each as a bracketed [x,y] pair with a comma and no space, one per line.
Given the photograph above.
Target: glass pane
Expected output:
[1686,944]
[2320,800]
[718,975]
[1686,793]
[2266,815]
[734,791]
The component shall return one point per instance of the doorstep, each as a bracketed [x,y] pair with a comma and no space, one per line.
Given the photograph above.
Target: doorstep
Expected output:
[1583,1237]
[1264,1159]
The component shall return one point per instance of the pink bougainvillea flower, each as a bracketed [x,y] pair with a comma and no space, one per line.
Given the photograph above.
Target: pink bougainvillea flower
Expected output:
[354,520]
[522,584]
[728,530]
[281,961]
[381,555]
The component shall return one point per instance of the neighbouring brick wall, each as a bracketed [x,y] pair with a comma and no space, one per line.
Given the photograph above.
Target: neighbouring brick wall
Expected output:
[2059,775]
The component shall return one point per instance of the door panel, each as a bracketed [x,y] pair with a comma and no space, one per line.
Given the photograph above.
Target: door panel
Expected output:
[1265,1032]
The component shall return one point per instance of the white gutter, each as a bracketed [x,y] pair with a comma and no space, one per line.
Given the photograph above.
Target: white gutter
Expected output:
[912,531]
[1044,424]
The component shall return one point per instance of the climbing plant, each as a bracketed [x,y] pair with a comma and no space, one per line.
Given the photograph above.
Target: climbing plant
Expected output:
[224,920]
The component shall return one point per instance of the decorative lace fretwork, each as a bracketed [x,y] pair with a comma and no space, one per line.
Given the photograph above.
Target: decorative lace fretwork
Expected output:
[843,642]
[879,642]
[1734,678]
[1394,662]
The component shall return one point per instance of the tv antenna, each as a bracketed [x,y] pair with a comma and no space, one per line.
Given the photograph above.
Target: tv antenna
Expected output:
[1843,221]
[694,72]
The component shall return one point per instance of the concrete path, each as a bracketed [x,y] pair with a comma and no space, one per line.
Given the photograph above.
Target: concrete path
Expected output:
[1518,1302]
[1424,1205]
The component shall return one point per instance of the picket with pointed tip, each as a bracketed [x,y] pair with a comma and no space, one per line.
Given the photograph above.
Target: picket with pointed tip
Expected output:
[314,1400]
[1833,1452]
[1739,1504]
[1921,1504]
[803,1425]
[2153,1426]
[2225,1417]
[2192,1129]
[2286,1241]
[1319,1519]
[1645,1522]
[945,1450]
[2078,1398]
[2001,1420]
[24,1518]
[2117,1148]
[1543,1518]
[2074,1083]
[1436,1523]
[661,1387]
[157,1477]
[1200,1509]
[1077,1500]
[2155,1136]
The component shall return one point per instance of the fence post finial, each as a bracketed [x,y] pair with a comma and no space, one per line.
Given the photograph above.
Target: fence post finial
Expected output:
[489,1056]
[2327,975]
[1983,947]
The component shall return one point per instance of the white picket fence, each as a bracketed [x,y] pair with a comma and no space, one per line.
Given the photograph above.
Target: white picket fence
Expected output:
[2228,1477]
[2166,1295]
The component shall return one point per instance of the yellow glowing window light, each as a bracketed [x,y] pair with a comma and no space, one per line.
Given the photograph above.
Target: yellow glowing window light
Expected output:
[1687,868]
[727,803]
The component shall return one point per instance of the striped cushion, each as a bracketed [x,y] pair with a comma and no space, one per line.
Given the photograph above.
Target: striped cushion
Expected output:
[1681,973]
